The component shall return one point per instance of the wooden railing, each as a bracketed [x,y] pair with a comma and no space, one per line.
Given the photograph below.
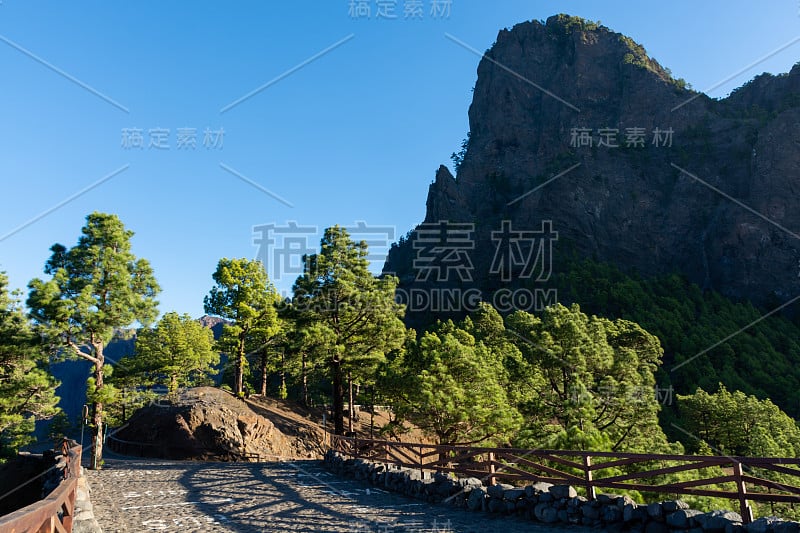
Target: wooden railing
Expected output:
[151,449]
[126,447]
[586,469]
[55,512]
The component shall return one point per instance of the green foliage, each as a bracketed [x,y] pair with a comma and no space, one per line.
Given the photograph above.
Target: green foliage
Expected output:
[229,374]
[681,83]
[579,382]
[95,287]
[126,400]
[760,360]
[61,426]
[244,295]
[105,395]
[458,157]
[178,352]
[572,23]
[453,388]
[353,315]
[637,56]
[307,349]
[270,347]
[592,381]
[27,391]
[734,423]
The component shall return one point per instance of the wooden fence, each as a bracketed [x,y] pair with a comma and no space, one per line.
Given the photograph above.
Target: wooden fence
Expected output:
[54,513]
[593,470]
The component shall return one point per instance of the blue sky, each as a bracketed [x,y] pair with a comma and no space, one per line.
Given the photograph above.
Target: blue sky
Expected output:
[354,135]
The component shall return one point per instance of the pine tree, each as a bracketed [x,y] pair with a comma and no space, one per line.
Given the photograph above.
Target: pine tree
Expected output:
[27,390]
[353,313]
[737,424]
[245,296]
[593,381]
[178,352]
[455,389]
[96,286]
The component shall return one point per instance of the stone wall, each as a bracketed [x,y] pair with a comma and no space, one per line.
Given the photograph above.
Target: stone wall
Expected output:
[551,504]
[84,521]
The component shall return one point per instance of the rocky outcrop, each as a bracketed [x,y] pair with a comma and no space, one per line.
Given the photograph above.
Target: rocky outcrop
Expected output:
[207,423]
[729,222]
[214,323]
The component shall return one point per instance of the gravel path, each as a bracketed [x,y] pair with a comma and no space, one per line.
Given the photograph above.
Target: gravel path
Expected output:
[134,495]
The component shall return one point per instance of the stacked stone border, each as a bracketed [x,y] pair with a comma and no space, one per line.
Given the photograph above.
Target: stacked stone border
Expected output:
[84,521]
[589,469]
[549,504]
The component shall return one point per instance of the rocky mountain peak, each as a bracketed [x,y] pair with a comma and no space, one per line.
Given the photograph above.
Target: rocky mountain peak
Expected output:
[573,123]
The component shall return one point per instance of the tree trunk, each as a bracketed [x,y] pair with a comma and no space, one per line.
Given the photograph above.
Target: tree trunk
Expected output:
[338,397]
[97,408]
[442,440]
[238,380]
[305,379]
[372,414]
[283,393]
[264,372]
[351,409]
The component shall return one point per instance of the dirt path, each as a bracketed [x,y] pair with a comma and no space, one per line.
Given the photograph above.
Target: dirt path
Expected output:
[149,495]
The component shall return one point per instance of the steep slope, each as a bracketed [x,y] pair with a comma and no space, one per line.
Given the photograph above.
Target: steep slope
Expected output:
[717,203]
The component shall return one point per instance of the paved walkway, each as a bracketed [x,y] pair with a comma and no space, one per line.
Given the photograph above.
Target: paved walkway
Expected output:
[134,495]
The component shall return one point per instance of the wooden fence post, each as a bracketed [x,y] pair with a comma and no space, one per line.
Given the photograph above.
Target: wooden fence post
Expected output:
[492,479]
[587,474]
[68,509]
[744,509]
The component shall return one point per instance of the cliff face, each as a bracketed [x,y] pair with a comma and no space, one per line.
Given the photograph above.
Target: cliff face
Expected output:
[542,86]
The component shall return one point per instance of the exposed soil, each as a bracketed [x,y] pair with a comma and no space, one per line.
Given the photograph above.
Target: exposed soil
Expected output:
[291,417]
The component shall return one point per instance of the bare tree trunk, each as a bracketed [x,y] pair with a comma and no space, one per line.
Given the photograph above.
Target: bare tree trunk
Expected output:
[238,382]
[372,414]
[283,392]
[338,397]
[263,391]
[351,409]
[124,418]
[305,379]
[97,408]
